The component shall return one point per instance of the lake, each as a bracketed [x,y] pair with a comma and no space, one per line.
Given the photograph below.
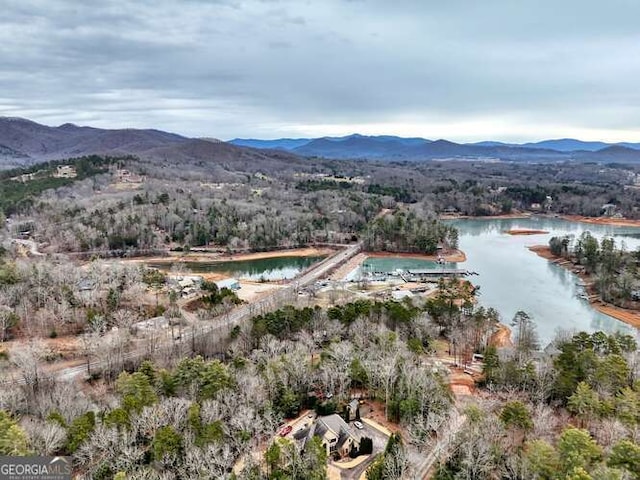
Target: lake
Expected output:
[268,269]
[512,278]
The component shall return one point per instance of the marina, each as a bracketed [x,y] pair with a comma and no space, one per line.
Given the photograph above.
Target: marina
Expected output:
[417,275]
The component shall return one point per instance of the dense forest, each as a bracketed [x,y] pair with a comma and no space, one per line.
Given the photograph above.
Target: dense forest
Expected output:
[568,412]
[405,231]
[211,405]
[573,413]
[198,417]
[611,269]
[239,211]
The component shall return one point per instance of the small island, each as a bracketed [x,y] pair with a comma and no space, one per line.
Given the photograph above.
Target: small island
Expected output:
[524,231]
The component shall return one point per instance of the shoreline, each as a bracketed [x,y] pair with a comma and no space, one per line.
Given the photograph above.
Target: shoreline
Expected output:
[615,222]
[200,257]
[453,256]
[485,217]
[344,271]
[625,315]
[524,231]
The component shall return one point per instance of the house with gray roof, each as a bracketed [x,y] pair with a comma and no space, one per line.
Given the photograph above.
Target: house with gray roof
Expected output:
[335,435]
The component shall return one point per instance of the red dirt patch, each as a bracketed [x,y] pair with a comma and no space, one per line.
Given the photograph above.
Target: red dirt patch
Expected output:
[518,231]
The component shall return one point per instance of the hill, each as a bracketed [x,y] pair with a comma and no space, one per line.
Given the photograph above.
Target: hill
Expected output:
[24,142]
[361,146]
[224,155]
[567,145]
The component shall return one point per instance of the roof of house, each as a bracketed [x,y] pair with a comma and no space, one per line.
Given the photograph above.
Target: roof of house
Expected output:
[400,294]
[180,278]
[151,323]
[226,283]
[86,284]
[335,425]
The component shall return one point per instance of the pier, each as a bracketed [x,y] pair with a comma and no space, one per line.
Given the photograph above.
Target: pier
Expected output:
[415,275]
[439,273]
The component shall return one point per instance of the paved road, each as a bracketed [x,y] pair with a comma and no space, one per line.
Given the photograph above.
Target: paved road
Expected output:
[226,322]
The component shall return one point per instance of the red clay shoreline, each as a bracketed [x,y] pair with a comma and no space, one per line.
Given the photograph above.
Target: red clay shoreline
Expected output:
[619,222]
[524,231]
[628,316]
[486,217]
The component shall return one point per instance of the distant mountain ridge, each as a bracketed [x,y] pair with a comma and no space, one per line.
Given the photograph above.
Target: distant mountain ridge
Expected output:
[392,147]
[24,142]
[279,144]
[560,145]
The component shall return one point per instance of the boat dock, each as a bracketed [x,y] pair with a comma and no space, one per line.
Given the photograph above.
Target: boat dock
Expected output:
[415,275]
[438,273]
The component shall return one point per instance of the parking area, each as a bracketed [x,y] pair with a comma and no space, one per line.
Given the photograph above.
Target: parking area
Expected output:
[353,469]
[347,468]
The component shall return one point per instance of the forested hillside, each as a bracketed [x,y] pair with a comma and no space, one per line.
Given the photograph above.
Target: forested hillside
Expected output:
[166,371]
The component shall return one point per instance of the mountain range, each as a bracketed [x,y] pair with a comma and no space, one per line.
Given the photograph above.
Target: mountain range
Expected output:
[24,142]
[392,147]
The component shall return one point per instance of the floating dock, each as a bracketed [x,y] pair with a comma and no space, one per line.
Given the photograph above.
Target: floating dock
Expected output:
[439,273]
[416,275]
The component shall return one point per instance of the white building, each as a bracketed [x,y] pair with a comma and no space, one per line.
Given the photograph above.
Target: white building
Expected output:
[230,283]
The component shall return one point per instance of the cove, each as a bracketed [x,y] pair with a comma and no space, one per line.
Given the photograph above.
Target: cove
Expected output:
[265,269]
[512,278]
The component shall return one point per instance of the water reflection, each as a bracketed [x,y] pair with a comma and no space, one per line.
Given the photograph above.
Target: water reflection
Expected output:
[513,278]
[276,268]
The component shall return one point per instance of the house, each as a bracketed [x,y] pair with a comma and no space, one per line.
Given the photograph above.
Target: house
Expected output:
[450,210]
[335,435]
[401,294]
[86,285]
[353,410]
[188,292]
[230,283]
[65,171]
[185,281]
[125,176]
[608,209]
[552,350]
[150,324]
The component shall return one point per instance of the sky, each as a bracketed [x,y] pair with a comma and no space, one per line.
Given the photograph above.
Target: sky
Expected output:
[465,70]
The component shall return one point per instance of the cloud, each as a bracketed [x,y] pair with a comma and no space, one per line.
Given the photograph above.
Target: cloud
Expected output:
[458,69]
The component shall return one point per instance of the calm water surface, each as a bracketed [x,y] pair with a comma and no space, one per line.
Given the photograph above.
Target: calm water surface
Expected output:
[276,268]
[512,278]
[389,264]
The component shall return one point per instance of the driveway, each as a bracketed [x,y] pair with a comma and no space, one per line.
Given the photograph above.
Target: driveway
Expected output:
[379,443]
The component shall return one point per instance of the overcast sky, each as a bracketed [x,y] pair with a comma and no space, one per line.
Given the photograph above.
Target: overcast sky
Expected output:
[459,69]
